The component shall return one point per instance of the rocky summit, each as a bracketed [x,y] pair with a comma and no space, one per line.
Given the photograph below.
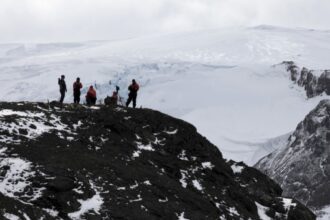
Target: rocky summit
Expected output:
[117,163]
[302,167]
[314,85]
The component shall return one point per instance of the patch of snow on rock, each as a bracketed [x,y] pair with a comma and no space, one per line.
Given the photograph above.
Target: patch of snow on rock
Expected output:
[181,217]
[288,203]
[207,165]
[145,147]
[92,204]
[237,168]
[11,216]
[197,185]
[136,154]
[182,155]
[15,180]
[51,212]
[262,210]
[171,132]
[183,179]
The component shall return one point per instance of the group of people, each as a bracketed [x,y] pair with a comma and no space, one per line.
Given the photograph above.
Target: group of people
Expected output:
[91,93]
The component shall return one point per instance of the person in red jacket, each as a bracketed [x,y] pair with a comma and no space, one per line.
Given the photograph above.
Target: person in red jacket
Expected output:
[77,86]
[91,96]
[133,89]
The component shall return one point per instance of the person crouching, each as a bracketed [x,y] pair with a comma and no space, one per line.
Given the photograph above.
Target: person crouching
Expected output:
[91,96]
[114,98]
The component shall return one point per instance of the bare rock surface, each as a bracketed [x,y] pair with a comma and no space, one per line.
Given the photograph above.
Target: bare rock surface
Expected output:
[117,163]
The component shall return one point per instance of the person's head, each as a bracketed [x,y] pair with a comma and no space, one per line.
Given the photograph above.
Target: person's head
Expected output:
[133,81]
[91,87]
[78,79]
[62,77]
[114,93]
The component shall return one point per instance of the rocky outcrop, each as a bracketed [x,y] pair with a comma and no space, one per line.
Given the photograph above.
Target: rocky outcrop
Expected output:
[118,163]
[313,85]
[302,167]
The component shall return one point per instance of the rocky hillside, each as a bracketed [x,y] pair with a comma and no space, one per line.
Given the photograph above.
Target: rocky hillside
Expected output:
[118,163]
[314,85]
[302,167]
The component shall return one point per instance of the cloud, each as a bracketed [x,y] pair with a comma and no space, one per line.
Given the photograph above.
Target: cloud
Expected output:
[75,20]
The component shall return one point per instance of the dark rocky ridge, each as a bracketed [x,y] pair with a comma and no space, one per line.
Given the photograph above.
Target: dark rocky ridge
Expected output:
[304,77]
[302,168]
[117,163]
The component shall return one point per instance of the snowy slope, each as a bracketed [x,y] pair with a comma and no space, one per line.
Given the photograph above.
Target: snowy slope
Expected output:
[223,81]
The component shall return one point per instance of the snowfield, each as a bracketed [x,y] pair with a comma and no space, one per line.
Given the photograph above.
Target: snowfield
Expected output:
[225,82]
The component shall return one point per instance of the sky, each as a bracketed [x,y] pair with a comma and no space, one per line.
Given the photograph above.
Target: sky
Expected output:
[82,20]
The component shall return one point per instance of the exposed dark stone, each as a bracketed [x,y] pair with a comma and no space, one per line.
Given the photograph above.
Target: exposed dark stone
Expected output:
[324,82]
[138,163]
[23,131]
[312,84]
[302,168]
[33,126]
[61,184]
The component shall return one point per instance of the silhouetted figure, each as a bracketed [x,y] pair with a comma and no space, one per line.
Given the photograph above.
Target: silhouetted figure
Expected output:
[91,96]
[76,91]
[63,90]
[133,89]
[114,98]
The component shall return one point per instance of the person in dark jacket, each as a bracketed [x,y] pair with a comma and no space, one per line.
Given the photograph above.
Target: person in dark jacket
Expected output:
[63,90]
[133,89]
[91,96]
[76,91]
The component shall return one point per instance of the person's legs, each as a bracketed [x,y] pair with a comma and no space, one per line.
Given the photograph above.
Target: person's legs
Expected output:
[134,101]
[62,96]
[76,98]
[93,101]
[129,100]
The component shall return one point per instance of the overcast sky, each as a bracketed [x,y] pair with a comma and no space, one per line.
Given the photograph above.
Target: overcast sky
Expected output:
[79,20]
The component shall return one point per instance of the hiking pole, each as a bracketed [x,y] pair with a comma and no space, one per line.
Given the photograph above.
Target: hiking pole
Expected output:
[120,98]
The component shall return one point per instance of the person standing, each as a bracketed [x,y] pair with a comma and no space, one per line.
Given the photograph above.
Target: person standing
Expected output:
[63,90]
[91,96]
[77,86]
[133,89]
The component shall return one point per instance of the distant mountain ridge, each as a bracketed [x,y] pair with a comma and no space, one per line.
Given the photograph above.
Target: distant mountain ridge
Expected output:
[302,167]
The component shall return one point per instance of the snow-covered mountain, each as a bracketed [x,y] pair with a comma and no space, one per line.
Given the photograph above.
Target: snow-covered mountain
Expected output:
[223,81]
[302,166]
